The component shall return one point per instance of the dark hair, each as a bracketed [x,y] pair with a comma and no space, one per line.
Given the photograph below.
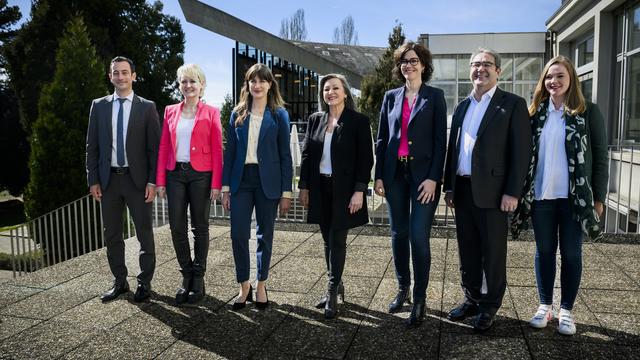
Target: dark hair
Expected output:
[121,59]
[274,99]
[423,54]
[349,103]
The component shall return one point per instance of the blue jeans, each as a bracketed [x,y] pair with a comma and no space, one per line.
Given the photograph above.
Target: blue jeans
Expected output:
[552,224]
[410,230]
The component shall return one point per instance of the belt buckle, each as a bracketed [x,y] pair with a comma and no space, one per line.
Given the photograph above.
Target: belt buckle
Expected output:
[120,171]
[184,166]
[403,158]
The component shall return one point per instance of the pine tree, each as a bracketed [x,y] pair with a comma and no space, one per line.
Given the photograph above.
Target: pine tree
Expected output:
[225,115]
[58,138]
[375,85]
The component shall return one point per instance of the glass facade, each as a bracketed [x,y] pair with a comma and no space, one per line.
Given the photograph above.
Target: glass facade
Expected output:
[627,75]
[519,74]
[298,85]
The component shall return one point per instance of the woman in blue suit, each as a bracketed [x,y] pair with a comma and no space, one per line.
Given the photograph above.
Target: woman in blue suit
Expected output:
[257,173]
[410,153]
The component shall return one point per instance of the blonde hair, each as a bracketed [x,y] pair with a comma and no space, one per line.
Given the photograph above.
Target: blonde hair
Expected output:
[574,102]
[274,99]
[193,71]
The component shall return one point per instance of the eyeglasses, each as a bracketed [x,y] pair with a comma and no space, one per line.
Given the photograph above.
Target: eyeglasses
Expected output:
[412,61]
[477,64]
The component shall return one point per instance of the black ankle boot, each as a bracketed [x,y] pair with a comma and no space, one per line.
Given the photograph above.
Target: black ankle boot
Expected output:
[323,300]
[196,294]
[331,307]
[401,297]
[417,314]
[183,292]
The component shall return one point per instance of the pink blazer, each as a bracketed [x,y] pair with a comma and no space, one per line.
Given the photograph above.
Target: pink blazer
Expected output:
[206,143]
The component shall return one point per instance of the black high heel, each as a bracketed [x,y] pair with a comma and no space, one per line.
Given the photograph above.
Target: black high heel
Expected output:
[241,305]
[417,314]
[331,307]
[197,292]
[401,297]
[323,300]
[262,305]
[183,292]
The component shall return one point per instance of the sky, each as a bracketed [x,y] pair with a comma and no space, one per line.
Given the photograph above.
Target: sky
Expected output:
[374,20]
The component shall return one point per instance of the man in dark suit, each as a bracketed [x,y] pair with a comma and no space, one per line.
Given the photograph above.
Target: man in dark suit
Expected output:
[122,152]
[488,159]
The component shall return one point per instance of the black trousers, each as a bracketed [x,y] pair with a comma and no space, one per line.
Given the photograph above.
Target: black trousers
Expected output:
[482,245]
[335,240]
[187,187]
[120,192]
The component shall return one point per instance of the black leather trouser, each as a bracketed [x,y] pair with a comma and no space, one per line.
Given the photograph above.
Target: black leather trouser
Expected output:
[335,240]
[187,187]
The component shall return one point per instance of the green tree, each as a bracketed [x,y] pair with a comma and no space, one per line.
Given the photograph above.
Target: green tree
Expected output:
[225,115]
[375,85]
[132,28]
[14,147]
[57,173]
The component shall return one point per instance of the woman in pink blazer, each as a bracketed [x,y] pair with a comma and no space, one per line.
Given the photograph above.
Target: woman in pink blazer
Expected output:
[190,171]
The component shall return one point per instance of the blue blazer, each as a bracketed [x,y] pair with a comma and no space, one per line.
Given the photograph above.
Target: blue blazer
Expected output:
[427,135]
[274,154]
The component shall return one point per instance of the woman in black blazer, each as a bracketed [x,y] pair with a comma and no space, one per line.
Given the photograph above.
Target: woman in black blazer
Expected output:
[410,153]
[334,175]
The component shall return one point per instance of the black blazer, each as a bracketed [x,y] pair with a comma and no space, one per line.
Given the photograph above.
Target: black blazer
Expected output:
[351,163]
[502,151]
[141,144]
[426,132]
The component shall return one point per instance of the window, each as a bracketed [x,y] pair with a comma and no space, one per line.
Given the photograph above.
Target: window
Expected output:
[585,51]
[444,69]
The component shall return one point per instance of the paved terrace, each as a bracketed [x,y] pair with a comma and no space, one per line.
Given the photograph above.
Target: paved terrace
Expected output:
[57,313]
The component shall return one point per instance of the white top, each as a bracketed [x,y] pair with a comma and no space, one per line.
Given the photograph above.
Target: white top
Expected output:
[126,111]
[325,160]
[183,139]
[552,171]
[252,143]
[469,130]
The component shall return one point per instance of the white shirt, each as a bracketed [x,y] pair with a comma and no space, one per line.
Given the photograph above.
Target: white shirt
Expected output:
[183,139]
[552,171]
[252,143]
[126,111]
[325,160]
[469,130]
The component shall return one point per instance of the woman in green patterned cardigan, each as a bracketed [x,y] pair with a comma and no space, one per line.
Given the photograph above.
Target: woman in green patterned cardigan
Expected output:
[565,188]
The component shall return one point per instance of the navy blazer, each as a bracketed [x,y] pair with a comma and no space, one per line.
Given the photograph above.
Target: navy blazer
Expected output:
[426,133]
[141,144]
[274,155]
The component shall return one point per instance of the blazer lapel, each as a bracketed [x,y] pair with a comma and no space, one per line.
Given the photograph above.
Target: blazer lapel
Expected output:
[267,121]
[397,111]
[461,111]
[134,115]
[421,100]
[494,106]
[108,110]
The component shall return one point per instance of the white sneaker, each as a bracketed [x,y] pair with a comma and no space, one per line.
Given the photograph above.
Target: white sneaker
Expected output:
[542,316]
[567,325]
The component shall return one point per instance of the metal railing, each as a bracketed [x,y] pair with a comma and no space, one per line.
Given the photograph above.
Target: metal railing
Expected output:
[76,228]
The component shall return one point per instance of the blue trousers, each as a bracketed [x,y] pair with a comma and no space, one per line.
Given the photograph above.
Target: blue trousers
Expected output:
[553,225]
[410,230]
[248,197]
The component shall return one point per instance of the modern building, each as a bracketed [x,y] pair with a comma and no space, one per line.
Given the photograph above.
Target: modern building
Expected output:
[603,40]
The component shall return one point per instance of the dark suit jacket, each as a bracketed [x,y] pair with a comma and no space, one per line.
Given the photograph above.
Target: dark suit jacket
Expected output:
[427,135]
[141,144]
[502,151]
[274,154]
[351,162]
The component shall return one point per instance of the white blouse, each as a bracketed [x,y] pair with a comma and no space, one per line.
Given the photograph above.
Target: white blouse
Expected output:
[552,171]
[183,139]
[325,160]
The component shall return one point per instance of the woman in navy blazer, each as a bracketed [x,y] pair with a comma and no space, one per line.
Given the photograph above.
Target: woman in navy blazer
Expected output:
[334,176]
[257,173]
[410,153]
[190,167]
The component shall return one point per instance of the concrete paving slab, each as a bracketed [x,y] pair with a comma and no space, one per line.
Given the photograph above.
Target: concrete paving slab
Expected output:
[10,294]
[12,325]
[560,349]
[465,346]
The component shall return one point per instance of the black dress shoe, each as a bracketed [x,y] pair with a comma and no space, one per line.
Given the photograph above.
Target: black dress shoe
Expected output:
[183,292]
[401,297]
[196,294]
[463,311]
[483,321]
[417,314]
[239,305]
[331,307]
[262,305]
[323,300]
[115,291]
[143,292]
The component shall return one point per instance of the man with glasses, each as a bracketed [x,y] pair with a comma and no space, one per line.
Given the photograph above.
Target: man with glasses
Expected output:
[487,161]
[122,152]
